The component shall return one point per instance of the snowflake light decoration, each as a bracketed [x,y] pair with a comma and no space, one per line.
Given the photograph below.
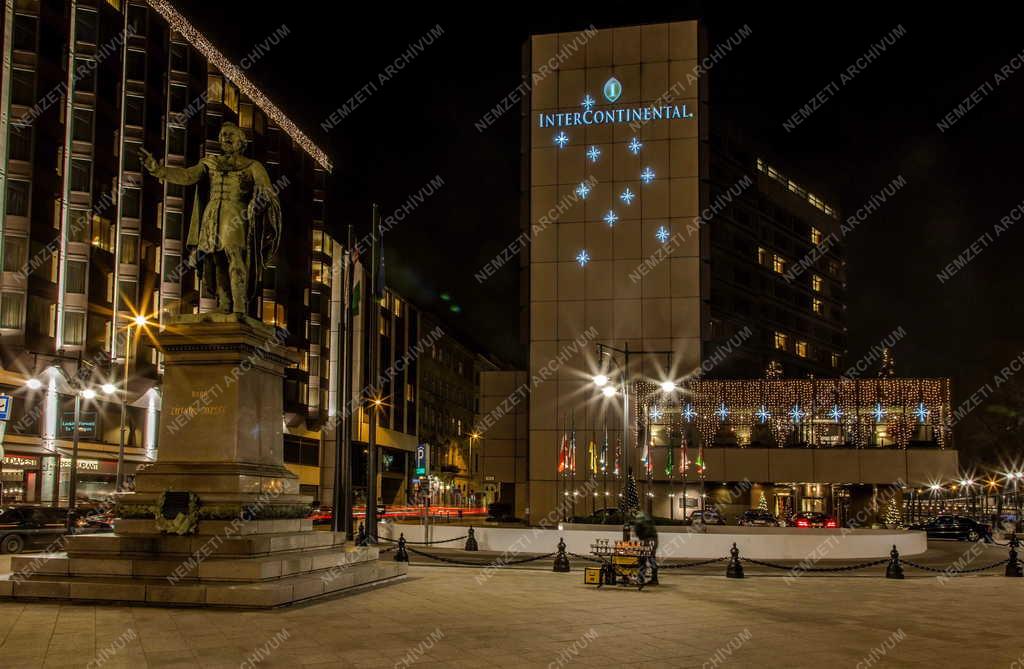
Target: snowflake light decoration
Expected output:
[688,413]
[588,102]
[836,413]
[763,414]
[662,234]
[611,218]
[627,196]
[593,153]
[647,176]
[879,412]
[561,139]
[722,412]
[797,413]
[634,146]
[583,258]
[921,412]
[655,413]
[583,190]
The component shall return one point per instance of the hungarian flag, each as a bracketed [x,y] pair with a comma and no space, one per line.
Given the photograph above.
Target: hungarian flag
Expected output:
[684,463]
[699,463]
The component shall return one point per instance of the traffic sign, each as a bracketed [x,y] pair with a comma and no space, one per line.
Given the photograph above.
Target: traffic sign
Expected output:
[6,404]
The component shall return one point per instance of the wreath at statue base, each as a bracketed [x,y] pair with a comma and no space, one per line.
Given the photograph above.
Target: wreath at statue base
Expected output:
[177,512]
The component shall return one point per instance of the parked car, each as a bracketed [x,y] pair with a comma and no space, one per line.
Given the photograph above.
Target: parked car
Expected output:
[705,517]
[757,518]
[30,527]
[604,517]
[955,527]
[96,522]
[813,519]
[322,515]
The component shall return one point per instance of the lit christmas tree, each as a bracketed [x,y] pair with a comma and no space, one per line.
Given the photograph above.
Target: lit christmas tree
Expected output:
[893,517]
[887,368]
[763,503]
[630,502]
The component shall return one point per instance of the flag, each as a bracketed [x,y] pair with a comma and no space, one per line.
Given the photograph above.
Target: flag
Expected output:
[618,454]
[572,448]
[592,456]
[670,461]
[699,463]
[684,464]
[603,459]
[563,454]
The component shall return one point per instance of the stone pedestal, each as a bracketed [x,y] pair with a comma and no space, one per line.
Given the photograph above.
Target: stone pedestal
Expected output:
[246,540]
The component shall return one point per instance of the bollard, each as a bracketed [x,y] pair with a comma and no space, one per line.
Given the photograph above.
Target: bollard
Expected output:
[561,560]
[361,536]
[471,541]
[1013,568]
[893,569]
[735,569]
[401,555]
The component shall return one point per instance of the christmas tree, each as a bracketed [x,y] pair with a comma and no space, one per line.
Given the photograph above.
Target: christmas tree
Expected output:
[893,517]
[630,502]
[763,503]
[887,368]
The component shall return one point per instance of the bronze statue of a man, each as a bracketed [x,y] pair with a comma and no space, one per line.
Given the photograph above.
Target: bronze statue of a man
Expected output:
[236,218]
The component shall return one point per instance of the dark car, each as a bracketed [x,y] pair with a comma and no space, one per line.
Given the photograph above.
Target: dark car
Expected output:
[322,515]
[757,518]
[102,521]
[705,517]
[31,527]
[604,517]
[954,527]
[813,519]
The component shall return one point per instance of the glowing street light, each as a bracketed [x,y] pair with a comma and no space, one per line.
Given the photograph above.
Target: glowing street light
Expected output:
[108,388]
[608,391]
[34,384]
[89,394]
[601,380]
[668,386]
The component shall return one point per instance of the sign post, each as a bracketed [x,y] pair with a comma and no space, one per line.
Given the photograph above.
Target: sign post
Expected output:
[6,405]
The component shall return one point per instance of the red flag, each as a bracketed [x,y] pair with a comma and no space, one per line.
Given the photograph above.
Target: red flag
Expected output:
[563,454]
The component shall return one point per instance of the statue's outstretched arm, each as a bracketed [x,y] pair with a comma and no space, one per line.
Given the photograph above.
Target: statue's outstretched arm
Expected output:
[183,176]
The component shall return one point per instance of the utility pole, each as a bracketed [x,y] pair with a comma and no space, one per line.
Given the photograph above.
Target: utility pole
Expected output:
[342,518]
[373,333]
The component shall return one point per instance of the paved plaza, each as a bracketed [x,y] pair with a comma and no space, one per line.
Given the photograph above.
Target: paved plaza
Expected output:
[462,617]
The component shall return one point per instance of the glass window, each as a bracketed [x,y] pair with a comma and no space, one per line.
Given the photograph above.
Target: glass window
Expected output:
[132,157]
[23,87]
[134,110]
[126,295]
[179,57]
[801,348]
[318,210]
[20,142]
[815,235]
[245,115]
[778,263]
[314,333]
[230,96]
[18,196]
[25,30]
[816,283]
[81,175]
[817,306]
[129,248]
[15,253]
[176,140]
[74,282]
[172,225]
[781,341]
[835,360]
[81,125]
[172,271]
[78,225]
[321,273]
[136,65]
[11,308]
[85,74]
[74,328]
[214,88]
[179,98]
[318,241]
[137,19]
[131,202]
[85,25]
[175,190]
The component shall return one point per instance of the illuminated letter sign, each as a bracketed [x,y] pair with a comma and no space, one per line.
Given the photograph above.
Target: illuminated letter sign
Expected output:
[612,92]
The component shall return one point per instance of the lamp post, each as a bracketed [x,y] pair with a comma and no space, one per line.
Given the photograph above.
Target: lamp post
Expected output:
[138,321]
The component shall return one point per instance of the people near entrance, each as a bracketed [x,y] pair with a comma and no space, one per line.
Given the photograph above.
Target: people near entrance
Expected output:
[647,532]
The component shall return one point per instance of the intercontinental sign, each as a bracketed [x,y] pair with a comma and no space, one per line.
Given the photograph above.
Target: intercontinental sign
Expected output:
[612,92]
[611,116]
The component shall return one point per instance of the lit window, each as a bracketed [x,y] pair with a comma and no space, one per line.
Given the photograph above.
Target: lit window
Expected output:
[762,256]
[397,307]
[815,235]
[318,241]
[215,88]
[801,348]
[816,283]
[778,263]
[817,306]
[835,360]
[781,341]
[245,115]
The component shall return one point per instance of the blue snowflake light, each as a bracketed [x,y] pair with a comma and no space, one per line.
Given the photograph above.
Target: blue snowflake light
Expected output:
[611,218]
[583,258]
[662,234]
[561,139]
[879,412]
[593,153]
[688,413]
[627,196]
[921,412]
[836,413]
[722,412]
[647,176]
[635,145]
[583,190]
[655,413]
[763,414]
[588,102]
[797,413]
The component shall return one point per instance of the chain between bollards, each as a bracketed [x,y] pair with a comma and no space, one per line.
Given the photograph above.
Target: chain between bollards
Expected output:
[471,541]
[561,560]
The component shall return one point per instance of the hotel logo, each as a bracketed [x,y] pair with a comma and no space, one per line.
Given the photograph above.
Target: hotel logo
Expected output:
[612,90]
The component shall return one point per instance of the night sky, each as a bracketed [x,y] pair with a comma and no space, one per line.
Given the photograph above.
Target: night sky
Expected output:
[420,124]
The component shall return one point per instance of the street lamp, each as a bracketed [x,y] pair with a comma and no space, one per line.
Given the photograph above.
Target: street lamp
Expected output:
[137,321]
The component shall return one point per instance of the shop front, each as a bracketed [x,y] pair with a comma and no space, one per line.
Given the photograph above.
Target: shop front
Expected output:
[44,477]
